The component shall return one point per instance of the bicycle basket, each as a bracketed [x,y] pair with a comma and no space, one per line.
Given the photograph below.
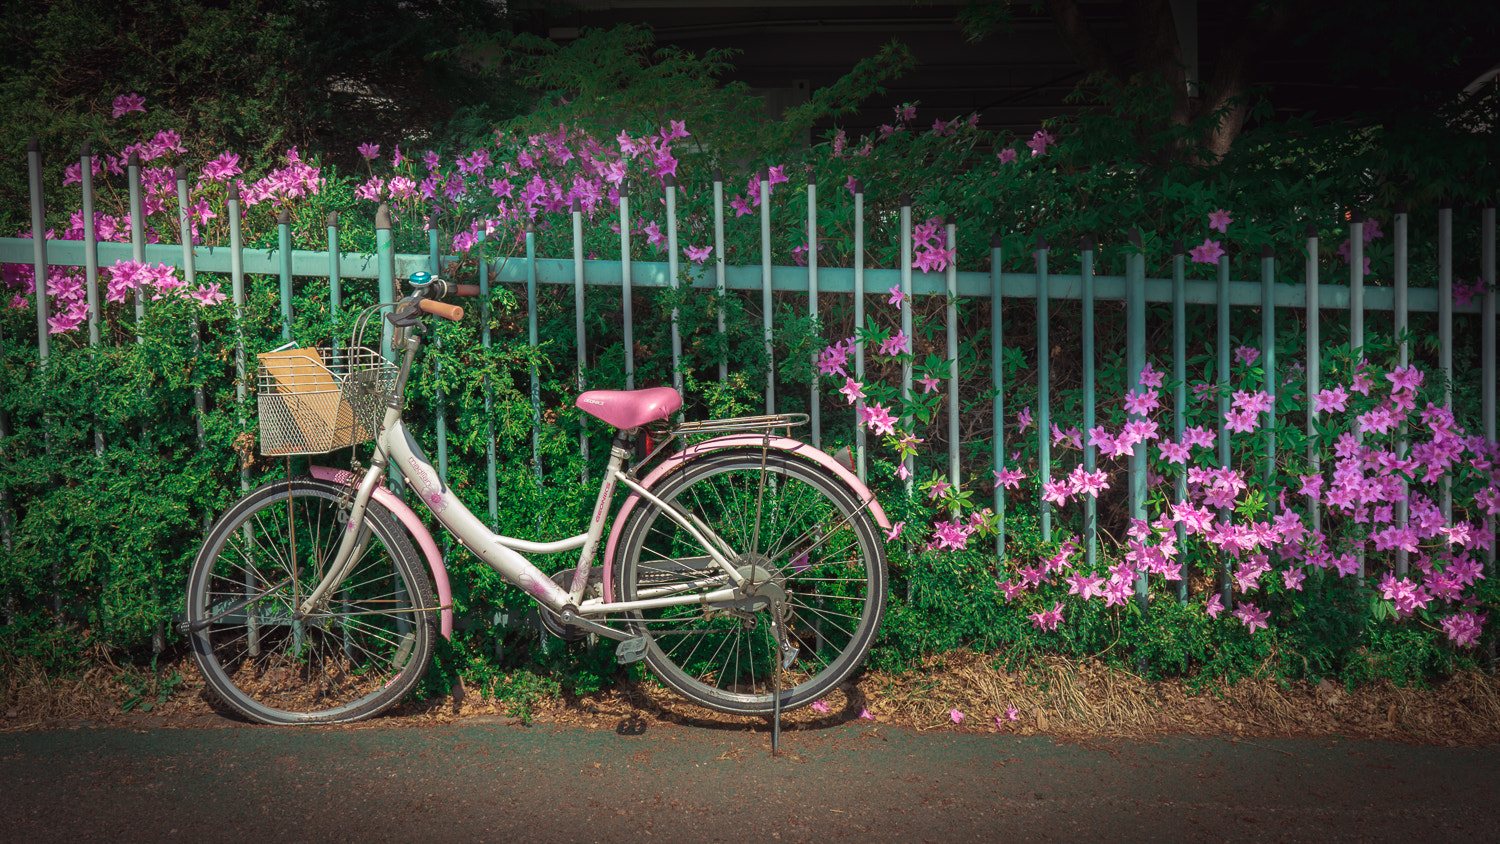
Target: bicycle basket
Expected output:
[313,401]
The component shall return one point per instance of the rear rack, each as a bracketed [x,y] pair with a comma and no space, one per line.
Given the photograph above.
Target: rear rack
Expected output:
[740,423]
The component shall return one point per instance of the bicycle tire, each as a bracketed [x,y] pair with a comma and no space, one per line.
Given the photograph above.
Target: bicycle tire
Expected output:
[815,538]
[352,659]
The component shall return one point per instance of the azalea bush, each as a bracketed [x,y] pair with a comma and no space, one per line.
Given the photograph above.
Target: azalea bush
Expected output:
[1265,580]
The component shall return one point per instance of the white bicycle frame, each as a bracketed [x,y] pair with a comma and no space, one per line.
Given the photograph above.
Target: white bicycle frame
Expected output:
[505,553]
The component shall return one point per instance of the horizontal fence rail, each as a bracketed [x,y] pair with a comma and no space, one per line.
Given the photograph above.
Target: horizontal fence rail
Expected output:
[1000,289]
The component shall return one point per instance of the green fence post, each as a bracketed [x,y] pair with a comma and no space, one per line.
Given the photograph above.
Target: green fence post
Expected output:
[861,458]
[491,481]
[812,303]
[1399,318]
[1314,363]
[1357,319]
[335,278]
[906,326]
[237,296]
[1487,365]
[955,409]
[1179,382]
[626,311]
[1445,331]
[284,254]
[669,185]
[579,303]
[766,303]
[720,286]
[435,266]
[1268,357]
[1090,503]
[1043,387]
[1225,515]
[91,268]
[190,274]
[997,377]
[1135,364]
[531,333]
[385,261]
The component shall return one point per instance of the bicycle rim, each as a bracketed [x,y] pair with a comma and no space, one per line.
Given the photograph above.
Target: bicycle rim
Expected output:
[351,658]
[794,524]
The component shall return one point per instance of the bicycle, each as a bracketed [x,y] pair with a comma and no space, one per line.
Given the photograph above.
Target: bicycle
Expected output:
[746,569]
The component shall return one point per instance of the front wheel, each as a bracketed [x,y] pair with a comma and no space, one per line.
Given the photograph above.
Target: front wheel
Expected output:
[351,658]
[788,523]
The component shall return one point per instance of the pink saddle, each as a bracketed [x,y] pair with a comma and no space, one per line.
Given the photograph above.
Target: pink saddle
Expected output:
[626,409]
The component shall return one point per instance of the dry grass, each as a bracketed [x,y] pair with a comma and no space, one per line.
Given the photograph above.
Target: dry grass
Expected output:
[1068,699]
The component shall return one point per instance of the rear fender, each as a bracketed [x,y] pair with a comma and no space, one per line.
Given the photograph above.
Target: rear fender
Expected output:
[419,532]
[780,444]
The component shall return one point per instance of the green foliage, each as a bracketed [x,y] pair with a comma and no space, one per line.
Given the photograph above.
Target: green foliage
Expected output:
[103,537]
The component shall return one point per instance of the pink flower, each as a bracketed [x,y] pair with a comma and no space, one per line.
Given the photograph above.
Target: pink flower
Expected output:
[1292,578]
[125,104]
[929,384]
[1464,628]
[1055,492]
[698,254]
[879,419]
[1007,155]
[897,344]
[1251,617]
[852,390]
[895,531]
[207,296]
[369,152]
[1047,619]
[1173,452]
[937,489]
[1208,253]
[1246,355]
[820,706]
[1220,220]
[896,295]
[1040,141]
[1023,419]
[1213,606]
[1334,399]
[958,717]
[864,713]
[1008,478]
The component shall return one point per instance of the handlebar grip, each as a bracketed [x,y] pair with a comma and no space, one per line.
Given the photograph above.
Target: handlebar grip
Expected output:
[442,309]
[466,289]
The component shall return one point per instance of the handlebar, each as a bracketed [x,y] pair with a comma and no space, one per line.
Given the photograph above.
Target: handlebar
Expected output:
[428,289]
[442,309]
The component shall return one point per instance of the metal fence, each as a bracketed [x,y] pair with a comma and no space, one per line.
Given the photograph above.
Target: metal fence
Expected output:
[1035,289]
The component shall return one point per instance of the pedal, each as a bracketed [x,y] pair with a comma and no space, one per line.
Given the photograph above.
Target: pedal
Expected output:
[632,650]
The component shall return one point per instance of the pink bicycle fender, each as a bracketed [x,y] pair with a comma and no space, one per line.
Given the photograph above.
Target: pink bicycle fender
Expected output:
[802,449]
[419,531]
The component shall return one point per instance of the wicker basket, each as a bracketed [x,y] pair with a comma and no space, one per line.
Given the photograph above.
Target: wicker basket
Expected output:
[313,401]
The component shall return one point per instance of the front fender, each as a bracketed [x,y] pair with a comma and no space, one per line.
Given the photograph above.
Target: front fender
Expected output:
[784,444]
[419,532]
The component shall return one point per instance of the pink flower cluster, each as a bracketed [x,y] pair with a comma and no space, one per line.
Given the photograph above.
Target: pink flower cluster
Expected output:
[1359,490]
[928,252]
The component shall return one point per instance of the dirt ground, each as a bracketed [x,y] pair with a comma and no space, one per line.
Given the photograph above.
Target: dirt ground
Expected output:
[958,692]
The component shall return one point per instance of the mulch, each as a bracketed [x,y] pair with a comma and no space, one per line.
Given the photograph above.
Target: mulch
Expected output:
[959,691]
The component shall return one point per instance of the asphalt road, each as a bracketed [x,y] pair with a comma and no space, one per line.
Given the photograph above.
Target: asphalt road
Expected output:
[479,780]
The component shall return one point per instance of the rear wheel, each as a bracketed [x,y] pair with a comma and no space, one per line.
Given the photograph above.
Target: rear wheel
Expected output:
[351,658]
[794,527]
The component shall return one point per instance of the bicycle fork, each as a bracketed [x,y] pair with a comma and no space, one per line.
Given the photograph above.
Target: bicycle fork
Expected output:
[352,543]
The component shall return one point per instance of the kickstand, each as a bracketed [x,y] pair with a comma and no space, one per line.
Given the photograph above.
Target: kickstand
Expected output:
[776,710]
